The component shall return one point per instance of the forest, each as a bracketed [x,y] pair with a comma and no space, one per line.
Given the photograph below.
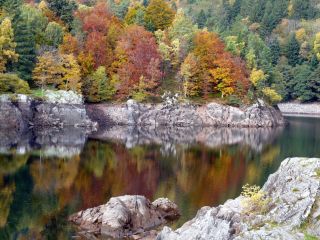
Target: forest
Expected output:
[233,51]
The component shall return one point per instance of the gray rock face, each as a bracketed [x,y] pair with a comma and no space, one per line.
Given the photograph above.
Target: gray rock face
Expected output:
[24,112]
[183,115]
[293,209]
[126,216]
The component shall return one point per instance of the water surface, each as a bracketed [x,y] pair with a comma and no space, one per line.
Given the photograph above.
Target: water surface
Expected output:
[47,175]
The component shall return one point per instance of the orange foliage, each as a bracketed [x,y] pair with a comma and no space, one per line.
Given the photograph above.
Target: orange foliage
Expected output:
[69,45]
[102,31]
[214,69]
[136,56]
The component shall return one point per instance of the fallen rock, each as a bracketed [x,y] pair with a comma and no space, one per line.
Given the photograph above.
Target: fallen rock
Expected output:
[126,216]
[293,194]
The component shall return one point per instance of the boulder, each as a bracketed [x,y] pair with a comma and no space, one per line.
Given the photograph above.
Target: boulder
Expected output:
[293,194]
[126,216]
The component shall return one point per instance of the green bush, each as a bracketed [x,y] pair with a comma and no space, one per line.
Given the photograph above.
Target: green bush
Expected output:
[11,83]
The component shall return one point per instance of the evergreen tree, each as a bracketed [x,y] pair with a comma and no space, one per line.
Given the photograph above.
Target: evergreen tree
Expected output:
[201,19]
[314,83]
[303,9]
[300,84]
[11,6]
[275,51]
[63,9]
[26,48]
[292,50]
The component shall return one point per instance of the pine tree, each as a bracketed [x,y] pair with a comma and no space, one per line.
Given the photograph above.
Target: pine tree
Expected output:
[26,48]
[314,83]
[201,19]
[63,9]
[293,50]
[275,51]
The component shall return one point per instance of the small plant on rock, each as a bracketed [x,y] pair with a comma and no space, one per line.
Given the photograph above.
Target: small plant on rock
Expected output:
[254,199]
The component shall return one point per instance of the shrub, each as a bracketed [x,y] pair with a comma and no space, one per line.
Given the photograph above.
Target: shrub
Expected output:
[255,200]
[11,83]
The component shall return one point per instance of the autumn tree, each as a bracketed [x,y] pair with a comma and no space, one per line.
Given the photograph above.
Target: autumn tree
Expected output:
[7,44]
[210,69]
[98,87]
[70,45]
[136,56]
[159,14]
[11,83]
[59,71]
[136,15]
[102,30]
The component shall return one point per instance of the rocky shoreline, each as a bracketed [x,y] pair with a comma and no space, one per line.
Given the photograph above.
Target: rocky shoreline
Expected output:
[59,110]
[185,115]
[291,198]
[300,109]
[287,207]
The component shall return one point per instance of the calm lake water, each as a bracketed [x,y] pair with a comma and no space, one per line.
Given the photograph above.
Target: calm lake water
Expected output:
[45,176]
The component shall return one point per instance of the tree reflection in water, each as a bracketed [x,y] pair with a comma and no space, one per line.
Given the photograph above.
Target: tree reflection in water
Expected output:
[39,188]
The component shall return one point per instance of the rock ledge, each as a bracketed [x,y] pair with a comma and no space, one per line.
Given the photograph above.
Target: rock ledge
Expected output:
[293,210]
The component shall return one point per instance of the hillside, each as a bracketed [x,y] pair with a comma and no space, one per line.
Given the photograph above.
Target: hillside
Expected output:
[230,51]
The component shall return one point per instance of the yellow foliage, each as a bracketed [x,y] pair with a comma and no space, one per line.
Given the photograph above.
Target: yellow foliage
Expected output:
[256,76]
[159,14]
[316,45]
[301,35]
[272,95]
[254,199]
[223,81]
[61,71]
[7,45]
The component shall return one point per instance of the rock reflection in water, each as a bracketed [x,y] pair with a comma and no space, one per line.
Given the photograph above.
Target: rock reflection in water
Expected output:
[65,142]
[192,167]
[211,137]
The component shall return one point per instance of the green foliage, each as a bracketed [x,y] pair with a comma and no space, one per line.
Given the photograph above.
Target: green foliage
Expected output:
[97,87]
[201,19]
[54,34]
[11,83]
[25,38]
[159,14]
[292,50]
[304,9]
[139,92]
[63,9]
[120,9]
[300,85]
[34,18]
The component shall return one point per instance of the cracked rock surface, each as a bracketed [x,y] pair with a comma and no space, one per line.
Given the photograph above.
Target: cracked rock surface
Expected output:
[293,210]
[126,216]
[184,115]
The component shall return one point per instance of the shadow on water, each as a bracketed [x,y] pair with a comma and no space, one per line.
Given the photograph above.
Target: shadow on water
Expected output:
[47,175]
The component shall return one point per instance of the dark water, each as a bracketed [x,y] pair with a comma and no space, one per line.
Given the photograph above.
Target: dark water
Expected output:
[45,176]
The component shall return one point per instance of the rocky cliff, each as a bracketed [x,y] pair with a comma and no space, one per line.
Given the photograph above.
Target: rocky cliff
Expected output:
[184,115]
[59,110]
[287,207]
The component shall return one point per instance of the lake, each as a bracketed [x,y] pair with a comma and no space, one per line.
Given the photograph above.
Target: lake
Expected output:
[47,175]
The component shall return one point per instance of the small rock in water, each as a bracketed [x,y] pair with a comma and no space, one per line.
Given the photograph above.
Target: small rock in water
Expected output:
[126,216]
